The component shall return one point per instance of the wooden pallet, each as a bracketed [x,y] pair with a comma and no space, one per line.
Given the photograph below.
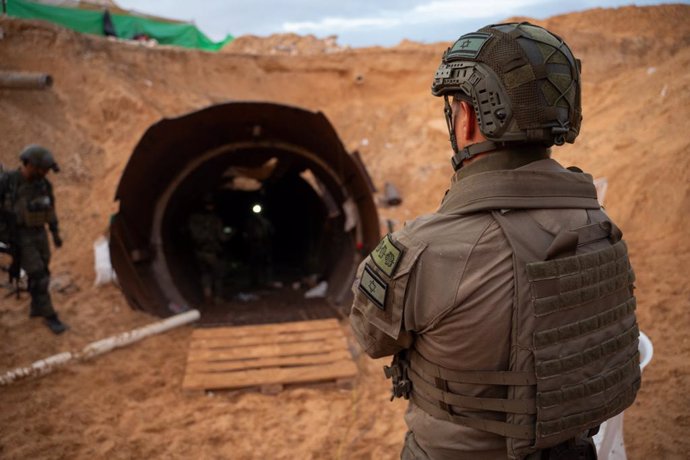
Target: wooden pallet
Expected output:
[268,356]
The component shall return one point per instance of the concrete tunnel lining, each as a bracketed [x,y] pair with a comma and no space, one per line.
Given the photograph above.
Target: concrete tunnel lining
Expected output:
[243,134]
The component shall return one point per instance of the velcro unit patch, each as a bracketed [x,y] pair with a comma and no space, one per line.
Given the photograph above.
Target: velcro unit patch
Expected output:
[387,255]
[468,46]
[373,287]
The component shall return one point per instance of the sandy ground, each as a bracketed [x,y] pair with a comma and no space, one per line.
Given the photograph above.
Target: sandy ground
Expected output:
[129,404]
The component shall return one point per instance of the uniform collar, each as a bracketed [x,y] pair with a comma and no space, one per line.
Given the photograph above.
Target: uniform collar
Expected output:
[540,184]
[502,159]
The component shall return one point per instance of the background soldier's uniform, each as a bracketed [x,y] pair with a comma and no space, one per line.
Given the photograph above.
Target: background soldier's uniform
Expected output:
[451,293]
[258,233]
[206,230]
[33,204]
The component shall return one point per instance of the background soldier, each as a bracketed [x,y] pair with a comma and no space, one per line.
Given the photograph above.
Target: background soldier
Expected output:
[206,231]
[26,196]
[510,310]
[258,233]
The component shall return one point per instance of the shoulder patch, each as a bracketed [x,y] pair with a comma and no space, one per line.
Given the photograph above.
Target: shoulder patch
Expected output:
[387,255]
[373,287]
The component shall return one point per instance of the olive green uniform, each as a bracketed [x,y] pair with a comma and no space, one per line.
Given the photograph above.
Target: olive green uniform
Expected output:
[33,204]
[445,289]
[206,230]
[258,233]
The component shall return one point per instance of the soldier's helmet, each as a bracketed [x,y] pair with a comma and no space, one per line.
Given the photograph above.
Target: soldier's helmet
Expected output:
[523,82]
[40,157]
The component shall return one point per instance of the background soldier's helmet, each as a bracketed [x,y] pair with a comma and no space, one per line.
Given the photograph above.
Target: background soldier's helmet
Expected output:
[40,157]
[522,80]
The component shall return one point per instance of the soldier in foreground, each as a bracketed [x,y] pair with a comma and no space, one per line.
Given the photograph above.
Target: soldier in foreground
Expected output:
[28,204]
[510,311]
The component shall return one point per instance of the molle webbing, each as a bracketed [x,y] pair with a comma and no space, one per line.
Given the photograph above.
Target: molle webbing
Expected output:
[482,424]
[563,333]
[437,393]
[585,340]
[590,387]
[613,406]
[577,360]
[436,398]
[568,282]
[475,377]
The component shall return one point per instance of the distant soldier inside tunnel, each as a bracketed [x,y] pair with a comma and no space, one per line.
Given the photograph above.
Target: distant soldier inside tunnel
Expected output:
[510,311]
[28,205]
[206,230]
[258,233]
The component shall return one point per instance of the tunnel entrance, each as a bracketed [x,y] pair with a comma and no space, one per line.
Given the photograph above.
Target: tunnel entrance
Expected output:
[239,209]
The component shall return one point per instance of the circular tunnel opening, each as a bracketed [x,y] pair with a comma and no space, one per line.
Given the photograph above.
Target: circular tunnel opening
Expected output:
[248,232]
[250,212]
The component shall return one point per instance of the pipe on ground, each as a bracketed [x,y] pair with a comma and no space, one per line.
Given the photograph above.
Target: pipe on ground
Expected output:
[25,80]
[47,365]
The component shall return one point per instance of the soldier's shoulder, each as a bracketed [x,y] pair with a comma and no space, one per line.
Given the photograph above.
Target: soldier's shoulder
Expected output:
[7,177]
[10,173]
[437,228]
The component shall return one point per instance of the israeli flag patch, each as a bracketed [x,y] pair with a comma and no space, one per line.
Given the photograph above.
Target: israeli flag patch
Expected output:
[373,287]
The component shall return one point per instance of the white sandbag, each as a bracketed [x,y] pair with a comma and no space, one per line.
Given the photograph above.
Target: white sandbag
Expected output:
[101,254]
[317,291]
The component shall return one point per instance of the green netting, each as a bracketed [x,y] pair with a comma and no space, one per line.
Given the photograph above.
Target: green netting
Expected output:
[126,26]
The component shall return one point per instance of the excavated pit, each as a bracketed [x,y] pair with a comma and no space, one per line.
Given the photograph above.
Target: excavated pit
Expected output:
[293,207]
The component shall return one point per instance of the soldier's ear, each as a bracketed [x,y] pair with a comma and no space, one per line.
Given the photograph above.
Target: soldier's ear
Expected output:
[467,122]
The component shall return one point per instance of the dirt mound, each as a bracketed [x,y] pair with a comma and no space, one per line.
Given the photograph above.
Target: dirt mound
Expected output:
[636,100]
[283,44]
[611,40]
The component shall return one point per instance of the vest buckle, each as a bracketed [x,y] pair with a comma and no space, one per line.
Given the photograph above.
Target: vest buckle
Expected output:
[397,372]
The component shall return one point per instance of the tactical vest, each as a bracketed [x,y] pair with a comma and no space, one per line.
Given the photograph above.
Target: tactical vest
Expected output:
[574,361]
[33,203]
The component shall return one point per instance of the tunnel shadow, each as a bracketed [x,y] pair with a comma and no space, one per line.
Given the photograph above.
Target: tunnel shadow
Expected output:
[246,236]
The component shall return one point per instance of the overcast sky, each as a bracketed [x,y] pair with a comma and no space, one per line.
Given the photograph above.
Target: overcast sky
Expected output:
[359,22]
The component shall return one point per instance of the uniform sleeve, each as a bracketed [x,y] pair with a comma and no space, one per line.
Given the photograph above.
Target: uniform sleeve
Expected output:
[379,288]
[53,220]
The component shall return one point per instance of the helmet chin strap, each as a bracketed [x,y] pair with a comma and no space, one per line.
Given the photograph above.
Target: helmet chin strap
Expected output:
[468,152]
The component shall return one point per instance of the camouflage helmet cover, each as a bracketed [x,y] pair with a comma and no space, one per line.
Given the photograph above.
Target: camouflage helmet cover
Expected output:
[523,80]
[40,157]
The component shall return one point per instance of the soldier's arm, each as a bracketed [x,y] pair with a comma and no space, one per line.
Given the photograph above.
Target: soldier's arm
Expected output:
[373,341]
[377,312]
[53,222]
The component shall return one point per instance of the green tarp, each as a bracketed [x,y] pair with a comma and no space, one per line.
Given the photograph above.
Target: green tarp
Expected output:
[126,26]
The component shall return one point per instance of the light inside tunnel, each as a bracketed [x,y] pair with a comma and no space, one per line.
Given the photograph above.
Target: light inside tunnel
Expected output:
[281,232]
[212,208]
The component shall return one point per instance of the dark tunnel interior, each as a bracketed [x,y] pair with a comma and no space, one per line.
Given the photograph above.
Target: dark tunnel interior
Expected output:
[227,232]
[239,210]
